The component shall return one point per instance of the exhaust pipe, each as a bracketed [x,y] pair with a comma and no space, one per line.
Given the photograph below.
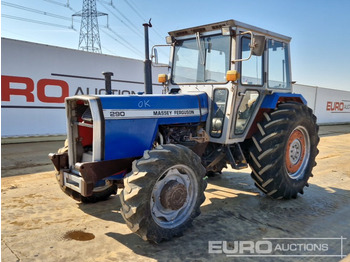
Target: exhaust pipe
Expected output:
[148,62]
[108,82]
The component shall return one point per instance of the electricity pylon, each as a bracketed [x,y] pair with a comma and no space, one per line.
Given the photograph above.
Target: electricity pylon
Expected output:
[89,39]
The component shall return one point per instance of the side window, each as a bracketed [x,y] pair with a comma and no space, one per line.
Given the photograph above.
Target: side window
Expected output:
[246,110]
[186,59]
[218,112]
[252,69]
[278,63]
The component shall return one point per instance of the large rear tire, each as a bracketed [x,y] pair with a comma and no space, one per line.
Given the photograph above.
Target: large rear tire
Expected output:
[283,151]
[100,193]
[163,193]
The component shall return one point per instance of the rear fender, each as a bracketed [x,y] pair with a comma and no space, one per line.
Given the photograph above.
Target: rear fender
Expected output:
[269,103]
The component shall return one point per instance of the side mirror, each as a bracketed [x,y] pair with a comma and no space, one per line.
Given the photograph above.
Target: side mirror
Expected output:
[258,45]
[155,56]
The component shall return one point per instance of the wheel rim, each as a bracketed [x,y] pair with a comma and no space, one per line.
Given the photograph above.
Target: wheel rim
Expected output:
[174,196]
[297,153]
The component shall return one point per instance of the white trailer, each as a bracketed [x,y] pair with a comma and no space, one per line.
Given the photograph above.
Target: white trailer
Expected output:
[330,106]
[36,78]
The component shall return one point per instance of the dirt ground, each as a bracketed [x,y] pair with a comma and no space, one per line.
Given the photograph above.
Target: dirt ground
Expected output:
[40,223]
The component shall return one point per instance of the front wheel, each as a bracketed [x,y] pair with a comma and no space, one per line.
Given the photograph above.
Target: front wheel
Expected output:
[283,151]
[163,193]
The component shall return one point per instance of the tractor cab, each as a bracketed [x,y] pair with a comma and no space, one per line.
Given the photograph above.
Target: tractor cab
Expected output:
[236,65]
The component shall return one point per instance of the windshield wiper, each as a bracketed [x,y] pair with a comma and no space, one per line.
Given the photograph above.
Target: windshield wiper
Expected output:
[201,53]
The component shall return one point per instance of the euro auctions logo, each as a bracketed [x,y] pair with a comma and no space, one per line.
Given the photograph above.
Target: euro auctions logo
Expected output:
[342,106]
[48,90]
[240,247]
[25,87]
[280,247]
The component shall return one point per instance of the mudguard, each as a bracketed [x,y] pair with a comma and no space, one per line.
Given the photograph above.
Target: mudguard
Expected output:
[270,101]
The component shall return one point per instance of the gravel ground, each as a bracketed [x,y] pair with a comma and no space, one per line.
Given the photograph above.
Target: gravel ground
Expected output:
[40,223]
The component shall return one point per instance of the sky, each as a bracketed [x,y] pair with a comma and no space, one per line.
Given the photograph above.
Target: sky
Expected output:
[320,29]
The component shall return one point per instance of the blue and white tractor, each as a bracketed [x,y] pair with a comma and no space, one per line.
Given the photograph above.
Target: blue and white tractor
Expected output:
[227,100]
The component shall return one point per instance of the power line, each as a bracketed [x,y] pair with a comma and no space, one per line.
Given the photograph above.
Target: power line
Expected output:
[138,31]
[125,45]
[135,10]
[134,29]
[60,4]
[21,7]
[127,42]
[110,51]
[36,21]
[112,13]
[111,33]
[132,6]
[131,24]
[108,3]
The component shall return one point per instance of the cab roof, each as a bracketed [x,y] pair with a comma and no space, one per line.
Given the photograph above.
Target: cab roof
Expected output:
[228,23]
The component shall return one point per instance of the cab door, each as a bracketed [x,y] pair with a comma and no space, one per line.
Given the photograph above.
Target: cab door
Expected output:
[250,88]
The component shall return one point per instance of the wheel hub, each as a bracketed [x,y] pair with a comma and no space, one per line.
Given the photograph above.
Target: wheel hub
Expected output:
[295,152]
[173,195]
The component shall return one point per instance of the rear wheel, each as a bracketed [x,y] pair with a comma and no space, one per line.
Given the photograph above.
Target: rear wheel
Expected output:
[102,191]
[163,193]
[283,151]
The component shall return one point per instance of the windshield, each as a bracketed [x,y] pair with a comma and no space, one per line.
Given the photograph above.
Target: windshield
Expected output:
[201,60]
